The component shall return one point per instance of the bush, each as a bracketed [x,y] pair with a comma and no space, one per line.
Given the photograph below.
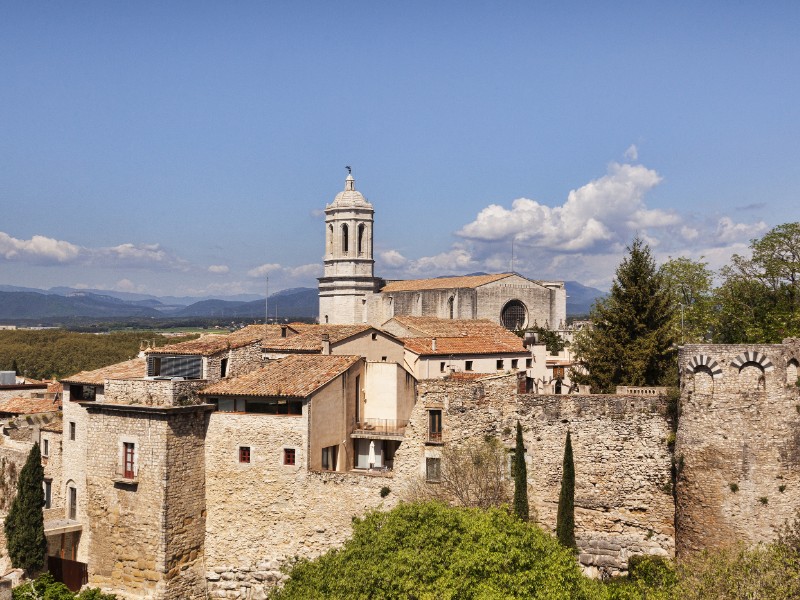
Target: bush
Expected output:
[429,550]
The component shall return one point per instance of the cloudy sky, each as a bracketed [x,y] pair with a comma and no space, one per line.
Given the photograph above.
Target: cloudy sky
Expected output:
[189,147]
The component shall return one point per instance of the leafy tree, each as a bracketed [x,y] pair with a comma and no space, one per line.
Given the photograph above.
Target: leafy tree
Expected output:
[632,334]
[521,508]
[690,287]
[565,518]
[759,300]
[551,339]
[24,524]
[431,551]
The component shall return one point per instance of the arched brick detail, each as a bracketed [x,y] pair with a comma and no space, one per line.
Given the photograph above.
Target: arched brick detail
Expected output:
[753,356]
[703,360]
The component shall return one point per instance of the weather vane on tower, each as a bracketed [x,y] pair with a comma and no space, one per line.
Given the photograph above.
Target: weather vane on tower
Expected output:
[349,170]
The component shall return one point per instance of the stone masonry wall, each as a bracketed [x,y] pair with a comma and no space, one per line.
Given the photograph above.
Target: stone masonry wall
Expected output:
[623,500]
[738,443]
[153,392]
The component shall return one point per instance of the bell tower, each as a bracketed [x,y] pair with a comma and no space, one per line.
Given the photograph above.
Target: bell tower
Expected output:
[349,267]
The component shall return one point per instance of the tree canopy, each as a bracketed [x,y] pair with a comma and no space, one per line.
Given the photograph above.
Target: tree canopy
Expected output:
[630,341]
[431,551]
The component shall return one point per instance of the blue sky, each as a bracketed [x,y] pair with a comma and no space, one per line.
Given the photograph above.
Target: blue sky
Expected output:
[189,147]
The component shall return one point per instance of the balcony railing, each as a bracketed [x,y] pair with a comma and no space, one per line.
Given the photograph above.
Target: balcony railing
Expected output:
[435,437]
[381,426]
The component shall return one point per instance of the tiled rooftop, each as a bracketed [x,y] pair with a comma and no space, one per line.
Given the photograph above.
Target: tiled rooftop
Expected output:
[443,283]
[29,406]
[296,375]
[310,338]
[130,369]
[55,426]
[435,327]
[212,343]
[463,345]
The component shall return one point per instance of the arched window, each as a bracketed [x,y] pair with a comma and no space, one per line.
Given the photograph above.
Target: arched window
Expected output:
[345,241]
[330,239]
[751,377]
[514,315]
[450,306]
[791,372]
[360,239]
[703,380]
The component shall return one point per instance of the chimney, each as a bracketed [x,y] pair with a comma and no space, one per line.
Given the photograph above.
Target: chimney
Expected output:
[433,345]
[326,343]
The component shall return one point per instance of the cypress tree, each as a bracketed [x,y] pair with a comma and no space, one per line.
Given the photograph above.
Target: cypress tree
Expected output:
[565,520]
[520,478]
[24,525]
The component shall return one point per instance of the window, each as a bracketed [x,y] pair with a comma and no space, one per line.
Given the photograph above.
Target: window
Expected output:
[374,336]
[451,306]
[360,239]
[48,493]
[441,367]
[72,430]
[45,447]
[344,238]
[188,367]
[528,363]
[329,456]
[73,504]
[82,392]
[289,457]
[514,363]
[434,425]
[264,406]
[358,398]
[383,359]
[244,454]
[468,365]
[500,364]
[223,368]
[514,315]
[128,455]
[433,469]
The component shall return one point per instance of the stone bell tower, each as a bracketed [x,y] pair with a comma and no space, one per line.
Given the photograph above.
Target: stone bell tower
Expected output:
[349,267]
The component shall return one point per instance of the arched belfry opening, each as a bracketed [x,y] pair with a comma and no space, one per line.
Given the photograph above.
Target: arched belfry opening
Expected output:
[360,247]
[345,240]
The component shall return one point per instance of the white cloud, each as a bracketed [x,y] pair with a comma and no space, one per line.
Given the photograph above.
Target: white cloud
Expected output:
[393,258]
[728,231]
[38,250]
[597,215]
[632,153]
[689,233]
[218,269]
[304,271]
[126,285]
[264,269]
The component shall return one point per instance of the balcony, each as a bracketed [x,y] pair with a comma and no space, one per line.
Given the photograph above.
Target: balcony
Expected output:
[380,429]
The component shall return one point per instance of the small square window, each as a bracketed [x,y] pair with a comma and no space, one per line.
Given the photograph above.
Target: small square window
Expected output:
[383,359]
[433,469]
[468,365]
[528,363]
[289,457]
[374,336]
[514,363]
[500,364]
[244,454]
[72,430]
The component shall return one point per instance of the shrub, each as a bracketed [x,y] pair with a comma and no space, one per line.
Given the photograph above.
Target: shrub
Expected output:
[385,491]
[734,487]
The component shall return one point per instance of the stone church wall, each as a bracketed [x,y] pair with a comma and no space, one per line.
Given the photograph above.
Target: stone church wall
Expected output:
[738,443]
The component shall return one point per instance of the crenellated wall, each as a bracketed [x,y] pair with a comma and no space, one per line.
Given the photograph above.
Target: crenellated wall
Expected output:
[738,443]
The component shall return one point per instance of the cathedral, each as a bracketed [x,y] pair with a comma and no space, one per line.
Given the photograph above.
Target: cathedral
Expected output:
[349,292]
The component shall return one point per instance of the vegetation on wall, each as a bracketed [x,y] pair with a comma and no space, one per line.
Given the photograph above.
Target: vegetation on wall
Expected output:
[24,524]
[55,353]
[45,587]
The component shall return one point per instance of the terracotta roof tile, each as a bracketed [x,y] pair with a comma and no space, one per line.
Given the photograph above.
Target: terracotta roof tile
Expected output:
[213,343]
[443,283]
[310,338]
[131,369]
[463,345]
[55,426]
[296,375]
[29,406]
[435,327]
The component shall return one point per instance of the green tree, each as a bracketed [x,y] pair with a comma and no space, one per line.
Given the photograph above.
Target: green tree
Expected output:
[521,508]
[759,300]
[565,518]
[690,287]
[433,551]
[631,336]
[24,524]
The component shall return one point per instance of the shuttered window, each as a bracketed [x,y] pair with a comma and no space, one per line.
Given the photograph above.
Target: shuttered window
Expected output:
[188,367]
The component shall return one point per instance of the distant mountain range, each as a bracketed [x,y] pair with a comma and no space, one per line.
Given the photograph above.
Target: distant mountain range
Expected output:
[18,303]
